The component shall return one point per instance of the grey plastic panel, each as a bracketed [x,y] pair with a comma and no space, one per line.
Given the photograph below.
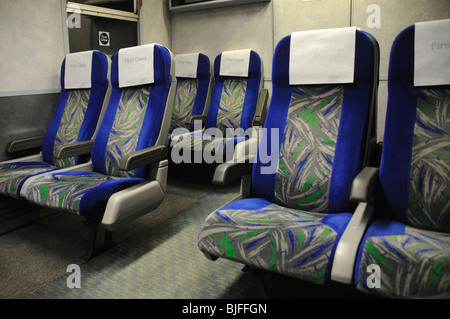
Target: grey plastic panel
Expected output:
[24,144]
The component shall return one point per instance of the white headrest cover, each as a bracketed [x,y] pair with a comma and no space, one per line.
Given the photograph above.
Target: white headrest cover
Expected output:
[136,65]
[77,72]
[432,53]
[322,56]
[186,65]
[235,63]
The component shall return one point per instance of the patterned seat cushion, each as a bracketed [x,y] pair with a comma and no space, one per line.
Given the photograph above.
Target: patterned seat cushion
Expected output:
[231,104]
[221,140]
[429,192]
[221,148]
[265,235]
[84,193]
[307,153]
[414,255]
[125,130]
[413,263]
[184,103]
[13,175]
[71,123]
[80,193]
[315,137]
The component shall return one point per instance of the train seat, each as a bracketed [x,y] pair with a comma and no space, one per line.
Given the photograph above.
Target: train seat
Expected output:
[194,82]
[406,252]
[126,177]
[231,113]
[296,205]
[84,86]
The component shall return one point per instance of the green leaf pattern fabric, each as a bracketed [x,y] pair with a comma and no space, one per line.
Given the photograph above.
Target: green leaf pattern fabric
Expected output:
[231,104]
[71,122]
[64,191]
[274,238]
[306,154]
[184,103]
[416,261]
[12,175]
[228,117]
[124,135]
[429,193]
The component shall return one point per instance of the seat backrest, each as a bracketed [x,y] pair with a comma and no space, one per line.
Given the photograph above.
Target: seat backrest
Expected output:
[84,84]
[193,72]
[314,138]
[138,112]
[415,164]
[237,82]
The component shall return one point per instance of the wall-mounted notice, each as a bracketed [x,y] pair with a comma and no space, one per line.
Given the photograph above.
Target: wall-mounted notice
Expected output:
[103,38]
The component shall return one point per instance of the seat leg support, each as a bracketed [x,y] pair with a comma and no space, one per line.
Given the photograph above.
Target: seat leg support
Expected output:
[266,280]
[92,250]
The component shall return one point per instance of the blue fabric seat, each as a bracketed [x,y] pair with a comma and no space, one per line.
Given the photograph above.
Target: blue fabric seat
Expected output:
[410,242]
[233,104]
[136,123]
[193,91]
[298,207]
[75,119]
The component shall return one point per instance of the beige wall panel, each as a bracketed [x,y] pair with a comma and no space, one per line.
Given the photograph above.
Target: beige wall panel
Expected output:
[298,15]
[31,46]
[230,28]
[155,23]
[381,111]
[395,15]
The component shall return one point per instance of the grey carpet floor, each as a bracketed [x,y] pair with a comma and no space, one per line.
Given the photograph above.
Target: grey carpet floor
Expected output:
[154,257]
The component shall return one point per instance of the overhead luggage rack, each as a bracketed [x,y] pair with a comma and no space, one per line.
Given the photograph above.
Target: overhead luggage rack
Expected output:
[191,5]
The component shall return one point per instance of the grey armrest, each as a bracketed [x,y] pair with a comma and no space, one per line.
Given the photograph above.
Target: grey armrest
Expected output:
[73,149]
[260,118]
[143,157]
[363,191]
[229,172]
[192,118]
[24,144]
[364,185]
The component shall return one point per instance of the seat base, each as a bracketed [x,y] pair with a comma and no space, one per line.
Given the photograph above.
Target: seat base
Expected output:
[399,261]
[271,237]
[92,247]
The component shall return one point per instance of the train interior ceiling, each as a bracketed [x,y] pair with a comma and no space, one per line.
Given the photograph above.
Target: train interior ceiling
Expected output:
[162,253]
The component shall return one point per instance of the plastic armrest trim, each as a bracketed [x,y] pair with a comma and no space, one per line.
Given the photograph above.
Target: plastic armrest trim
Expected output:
[143,157]
[192,118]
[347,248]
[364,184]
[73,149]
[24,144]
[229,172]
